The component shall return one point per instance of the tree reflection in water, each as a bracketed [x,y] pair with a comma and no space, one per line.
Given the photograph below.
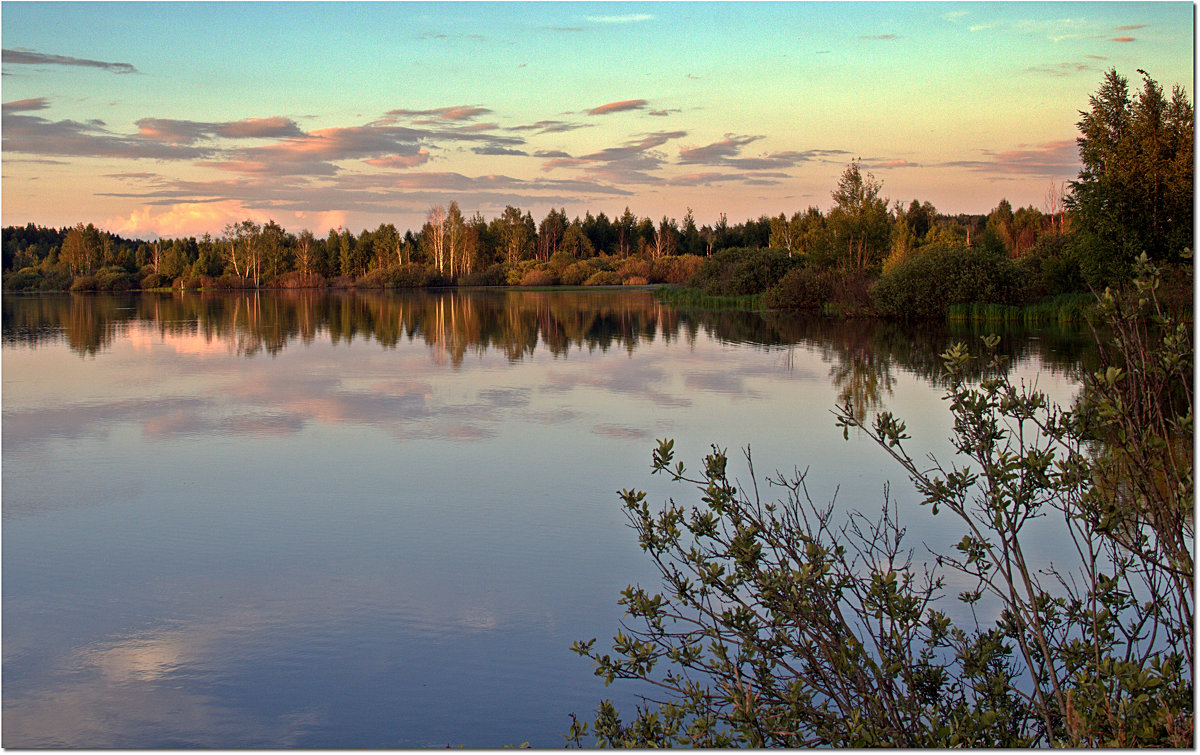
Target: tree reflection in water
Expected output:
[864,354]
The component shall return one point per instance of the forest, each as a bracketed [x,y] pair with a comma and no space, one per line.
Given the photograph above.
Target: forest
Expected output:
[866,255]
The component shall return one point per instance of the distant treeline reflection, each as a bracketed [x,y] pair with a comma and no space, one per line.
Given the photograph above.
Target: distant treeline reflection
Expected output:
[455,324]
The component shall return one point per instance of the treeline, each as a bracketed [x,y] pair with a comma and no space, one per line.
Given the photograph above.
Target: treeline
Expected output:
[866,255]
[455,325]
[449,249]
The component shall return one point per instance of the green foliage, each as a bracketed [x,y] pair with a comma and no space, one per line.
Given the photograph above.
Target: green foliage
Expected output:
[740,271]
[675,269]
[412,275]
[84,283]
[837,292]
[1064,309]
[493,275]
[776,625]
[859,223]
[155,280]
[603,278]
[115,279]
[925,285]
[576,273]
[1135,191]
[805,287]
[538,277]
[37,279]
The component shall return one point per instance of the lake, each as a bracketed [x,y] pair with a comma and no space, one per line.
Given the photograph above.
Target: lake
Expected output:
[339,519]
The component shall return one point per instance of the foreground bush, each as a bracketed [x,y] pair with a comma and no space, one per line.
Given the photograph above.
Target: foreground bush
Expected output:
[779,626]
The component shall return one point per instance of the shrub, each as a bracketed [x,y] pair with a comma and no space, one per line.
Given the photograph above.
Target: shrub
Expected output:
[231,281]
[414,275]
[603,278]
[538,277]
[377,278]
[634,267]
[38,279]
[1053,267]
[114,279]
[493,275]
[516,271]
[635,280]
[576,273]
[800,288]
[739,271]
[25,279]
[678,269]
[296,279]
[194,282]
[85,283]
[154,280]
[925,285]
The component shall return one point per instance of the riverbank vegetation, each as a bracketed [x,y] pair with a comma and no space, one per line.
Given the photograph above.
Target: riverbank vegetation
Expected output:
[781,622]
[784,622]
[867,255]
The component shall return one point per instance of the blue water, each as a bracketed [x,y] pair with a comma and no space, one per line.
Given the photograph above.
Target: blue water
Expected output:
[374,541]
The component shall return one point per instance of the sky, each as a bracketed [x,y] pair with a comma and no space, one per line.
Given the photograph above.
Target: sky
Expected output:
[167,119]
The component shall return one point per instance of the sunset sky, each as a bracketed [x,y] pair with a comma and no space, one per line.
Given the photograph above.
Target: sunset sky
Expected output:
[177,118]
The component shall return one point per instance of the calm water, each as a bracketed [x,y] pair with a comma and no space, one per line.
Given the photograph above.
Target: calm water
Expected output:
[340,520]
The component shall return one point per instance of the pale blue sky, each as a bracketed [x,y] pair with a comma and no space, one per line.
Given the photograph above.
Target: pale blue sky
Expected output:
[178,117]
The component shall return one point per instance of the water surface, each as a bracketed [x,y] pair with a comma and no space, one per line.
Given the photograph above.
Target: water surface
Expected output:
[345,520]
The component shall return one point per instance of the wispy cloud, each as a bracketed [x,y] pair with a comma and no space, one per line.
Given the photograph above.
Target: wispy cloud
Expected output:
[33,103]
[441,114]
[617,107]
[171,131]
[1054,159]
[629,18]
[1131,27]
[879,36]
[726,153]
[498,150]
[420,157]
[1124,39]
[315,152]
[550,127]
[32,58]
[1060,69]
[717,153]
[629,163]
[954,15]
[36,135]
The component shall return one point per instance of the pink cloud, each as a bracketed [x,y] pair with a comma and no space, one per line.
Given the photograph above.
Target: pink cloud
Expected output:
[617,107]
[185,219]
[717,151]
[274,127]
[400,161]
[1056,159]
[34,103]
[1123,39]
[441,114]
